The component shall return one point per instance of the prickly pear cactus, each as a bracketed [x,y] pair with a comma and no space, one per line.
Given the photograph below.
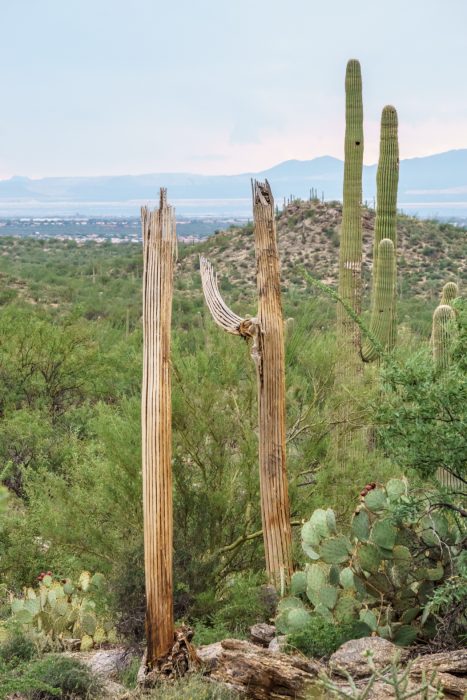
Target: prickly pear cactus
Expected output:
[60,609]
[383,573]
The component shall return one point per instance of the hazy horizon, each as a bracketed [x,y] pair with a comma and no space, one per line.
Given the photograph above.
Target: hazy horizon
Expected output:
[107,88]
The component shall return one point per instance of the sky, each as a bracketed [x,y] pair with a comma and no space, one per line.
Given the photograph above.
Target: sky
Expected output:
[108,87]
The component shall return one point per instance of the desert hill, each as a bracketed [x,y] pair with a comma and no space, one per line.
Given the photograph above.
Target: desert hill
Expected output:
[430,253]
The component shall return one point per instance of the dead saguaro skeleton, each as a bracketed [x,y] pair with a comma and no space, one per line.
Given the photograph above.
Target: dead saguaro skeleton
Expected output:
[159,247]
[267,350]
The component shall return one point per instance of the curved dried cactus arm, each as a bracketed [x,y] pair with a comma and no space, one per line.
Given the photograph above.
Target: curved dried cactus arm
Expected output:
[222,315]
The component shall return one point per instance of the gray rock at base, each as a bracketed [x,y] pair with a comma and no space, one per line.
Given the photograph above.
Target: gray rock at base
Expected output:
[209,654]
[262,634]
[108,663]
[351,655]
[277,644]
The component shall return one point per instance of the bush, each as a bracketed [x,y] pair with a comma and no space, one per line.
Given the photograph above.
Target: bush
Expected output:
[321,638]
[16,648]
[51,677]
[192,688]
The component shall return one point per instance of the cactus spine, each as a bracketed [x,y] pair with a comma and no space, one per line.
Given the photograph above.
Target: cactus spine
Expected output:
[383,304]
[442,334]
[449,293]
[350,250]
[382,315]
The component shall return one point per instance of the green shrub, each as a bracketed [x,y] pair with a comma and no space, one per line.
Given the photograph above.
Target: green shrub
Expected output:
[50,677]
[321,638]
[191,688]
[17,647]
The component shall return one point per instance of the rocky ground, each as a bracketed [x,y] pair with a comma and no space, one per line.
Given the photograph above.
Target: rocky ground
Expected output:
[260,670]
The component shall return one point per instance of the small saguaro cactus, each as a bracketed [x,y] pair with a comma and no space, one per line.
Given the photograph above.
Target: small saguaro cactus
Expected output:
[350,250]
[449,293]
[442,334]
[159,248]
[267,336]
[383,301]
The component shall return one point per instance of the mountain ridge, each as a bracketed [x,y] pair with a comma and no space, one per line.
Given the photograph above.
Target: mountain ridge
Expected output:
[439,179]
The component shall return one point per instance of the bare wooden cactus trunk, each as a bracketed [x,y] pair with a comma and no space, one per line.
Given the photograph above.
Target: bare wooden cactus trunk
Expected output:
[267,335]
[270,363]
[159,247]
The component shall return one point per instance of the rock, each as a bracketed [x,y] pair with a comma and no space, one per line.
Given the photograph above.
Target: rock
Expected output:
[444,662]
[351,655]
[269,598]
[112,690]
[262,634]
[260,674]
[278,644]
[109,662]
[209,654]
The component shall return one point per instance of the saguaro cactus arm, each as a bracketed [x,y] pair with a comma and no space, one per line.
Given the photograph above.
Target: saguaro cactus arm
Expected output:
[383,301]
[222,315]
[159,246]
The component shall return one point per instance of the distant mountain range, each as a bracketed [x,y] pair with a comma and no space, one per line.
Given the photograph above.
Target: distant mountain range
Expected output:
[435,184]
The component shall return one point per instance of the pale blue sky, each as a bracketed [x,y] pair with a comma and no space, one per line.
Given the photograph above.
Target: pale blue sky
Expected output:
[94,87]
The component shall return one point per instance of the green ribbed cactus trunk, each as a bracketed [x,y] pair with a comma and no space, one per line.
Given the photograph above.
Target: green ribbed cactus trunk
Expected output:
[350,249]
[442,334]
[387,181]
[348,439]
[449,293]
[382,316]
[383,303]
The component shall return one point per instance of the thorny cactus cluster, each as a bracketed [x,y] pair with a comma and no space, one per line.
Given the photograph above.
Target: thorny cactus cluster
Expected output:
[60,610]
[383,573]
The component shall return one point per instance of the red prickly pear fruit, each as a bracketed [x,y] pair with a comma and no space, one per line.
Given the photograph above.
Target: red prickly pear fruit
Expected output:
[49,573]
[373,484]
[363,493]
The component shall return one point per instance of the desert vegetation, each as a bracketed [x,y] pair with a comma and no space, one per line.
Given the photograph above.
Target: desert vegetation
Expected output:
[318,490]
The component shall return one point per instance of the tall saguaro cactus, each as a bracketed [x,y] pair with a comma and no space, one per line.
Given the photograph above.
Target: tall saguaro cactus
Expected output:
[267,336]
[159,247]
[350,250]
[383,303]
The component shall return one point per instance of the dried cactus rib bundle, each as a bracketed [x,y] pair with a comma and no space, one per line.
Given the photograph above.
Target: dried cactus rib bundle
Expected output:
[268,354]
[159,249]
[222,315]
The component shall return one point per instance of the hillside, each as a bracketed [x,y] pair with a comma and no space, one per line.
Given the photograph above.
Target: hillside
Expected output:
[104,279]
[430,253]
